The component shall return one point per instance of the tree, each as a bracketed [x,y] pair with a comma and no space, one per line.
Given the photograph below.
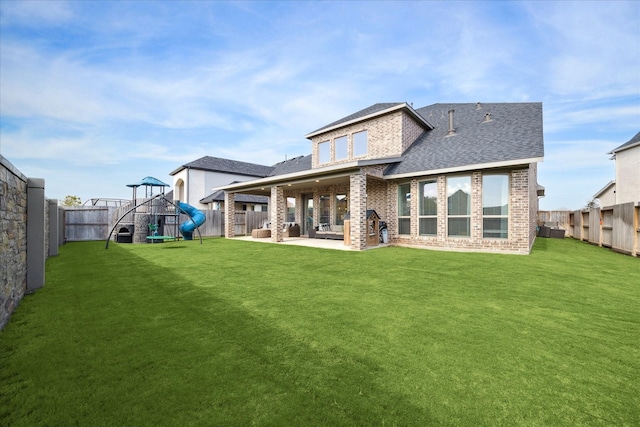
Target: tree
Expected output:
[592,204]
[71,201]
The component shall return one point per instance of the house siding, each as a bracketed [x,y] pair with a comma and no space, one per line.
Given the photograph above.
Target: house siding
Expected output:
[628,175]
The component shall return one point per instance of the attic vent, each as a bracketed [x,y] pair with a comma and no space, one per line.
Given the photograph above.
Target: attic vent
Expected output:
[452,130]
[487,117]
[478,106]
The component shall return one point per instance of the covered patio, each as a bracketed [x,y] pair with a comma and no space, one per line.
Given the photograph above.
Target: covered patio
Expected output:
[335,199]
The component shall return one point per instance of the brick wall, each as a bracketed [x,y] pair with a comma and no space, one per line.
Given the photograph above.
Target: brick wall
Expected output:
[388,136]
[522,215]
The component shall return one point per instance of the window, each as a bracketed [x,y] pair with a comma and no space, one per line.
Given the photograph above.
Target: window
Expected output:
[459,206]
[342,148]
[360,144]
[495,206]
[341,208]
[428,221]
[325,207]
[291,209]
[404,209]
[324,152]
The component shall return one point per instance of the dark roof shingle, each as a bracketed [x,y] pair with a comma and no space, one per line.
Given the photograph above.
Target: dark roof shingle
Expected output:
[513,132]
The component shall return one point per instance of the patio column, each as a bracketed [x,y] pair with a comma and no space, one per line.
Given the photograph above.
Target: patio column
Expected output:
[229,215]
[277,207]
[358,210]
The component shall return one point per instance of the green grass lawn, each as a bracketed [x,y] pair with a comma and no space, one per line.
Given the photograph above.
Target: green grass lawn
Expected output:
[236,333]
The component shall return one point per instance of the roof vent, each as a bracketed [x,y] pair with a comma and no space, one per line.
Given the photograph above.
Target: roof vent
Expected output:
[487,117]
[478,106]
[452,130]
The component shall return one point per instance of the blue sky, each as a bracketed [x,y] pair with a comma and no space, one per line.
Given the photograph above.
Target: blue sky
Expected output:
[97,95]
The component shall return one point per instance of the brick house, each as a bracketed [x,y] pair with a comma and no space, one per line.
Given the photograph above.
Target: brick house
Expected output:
[447,176]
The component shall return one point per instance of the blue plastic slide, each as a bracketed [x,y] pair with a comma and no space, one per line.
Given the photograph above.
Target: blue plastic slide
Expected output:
[196,220]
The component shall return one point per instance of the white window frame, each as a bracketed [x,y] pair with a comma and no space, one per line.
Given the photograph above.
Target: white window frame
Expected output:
[502,215]
[356,143]
[408,202]
[433,216]
[451,216]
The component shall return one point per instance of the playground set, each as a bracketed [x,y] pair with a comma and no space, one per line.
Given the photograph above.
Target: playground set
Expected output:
[155,218]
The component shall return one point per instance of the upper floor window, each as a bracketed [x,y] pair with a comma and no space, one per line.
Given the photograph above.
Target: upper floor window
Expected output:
[342,148]
[495,206]
[324,152]
[360,144]
[428,220]
[459,206]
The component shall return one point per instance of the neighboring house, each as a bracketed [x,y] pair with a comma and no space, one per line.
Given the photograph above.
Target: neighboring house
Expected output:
[194,181]
[607,195]
[626,187]
[449,176]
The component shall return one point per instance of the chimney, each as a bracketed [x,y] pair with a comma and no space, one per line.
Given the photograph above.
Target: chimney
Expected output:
[452,130]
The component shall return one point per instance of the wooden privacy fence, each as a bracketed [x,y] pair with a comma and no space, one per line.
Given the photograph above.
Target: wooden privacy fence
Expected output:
[95,222]
[616,227]
[86,223]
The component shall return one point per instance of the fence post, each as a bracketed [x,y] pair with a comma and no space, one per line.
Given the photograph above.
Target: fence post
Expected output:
[35,233]
[53,227]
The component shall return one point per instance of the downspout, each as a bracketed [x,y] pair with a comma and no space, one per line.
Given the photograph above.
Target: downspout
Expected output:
[188,189]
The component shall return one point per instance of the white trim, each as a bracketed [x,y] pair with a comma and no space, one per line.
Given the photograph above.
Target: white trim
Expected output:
[370,116]
[465,168]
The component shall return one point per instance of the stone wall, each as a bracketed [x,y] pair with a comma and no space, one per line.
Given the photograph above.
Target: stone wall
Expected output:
[13,239]
[24,245]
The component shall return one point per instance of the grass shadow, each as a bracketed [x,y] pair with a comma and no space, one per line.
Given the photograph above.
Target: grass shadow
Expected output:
[137,344]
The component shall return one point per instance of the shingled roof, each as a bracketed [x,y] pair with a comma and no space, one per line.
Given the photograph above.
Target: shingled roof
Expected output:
[296,164]
[218,196]
[630,143]
[217,164]
[511,132]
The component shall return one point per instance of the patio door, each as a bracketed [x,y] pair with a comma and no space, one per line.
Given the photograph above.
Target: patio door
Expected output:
[307,223]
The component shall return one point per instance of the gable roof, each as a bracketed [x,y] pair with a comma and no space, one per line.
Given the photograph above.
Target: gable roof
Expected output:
[512,134]
[370,112]
[604,189]
[217,164]
[629,144]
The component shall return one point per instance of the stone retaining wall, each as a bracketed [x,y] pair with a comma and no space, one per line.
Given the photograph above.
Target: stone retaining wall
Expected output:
[24,245]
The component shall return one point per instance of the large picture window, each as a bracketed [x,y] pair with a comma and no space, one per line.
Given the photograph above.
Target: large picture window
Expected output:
[360,144]
[342,148]
[495,206]
[324,152]
[404,209]
[459,206]
[428,221]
